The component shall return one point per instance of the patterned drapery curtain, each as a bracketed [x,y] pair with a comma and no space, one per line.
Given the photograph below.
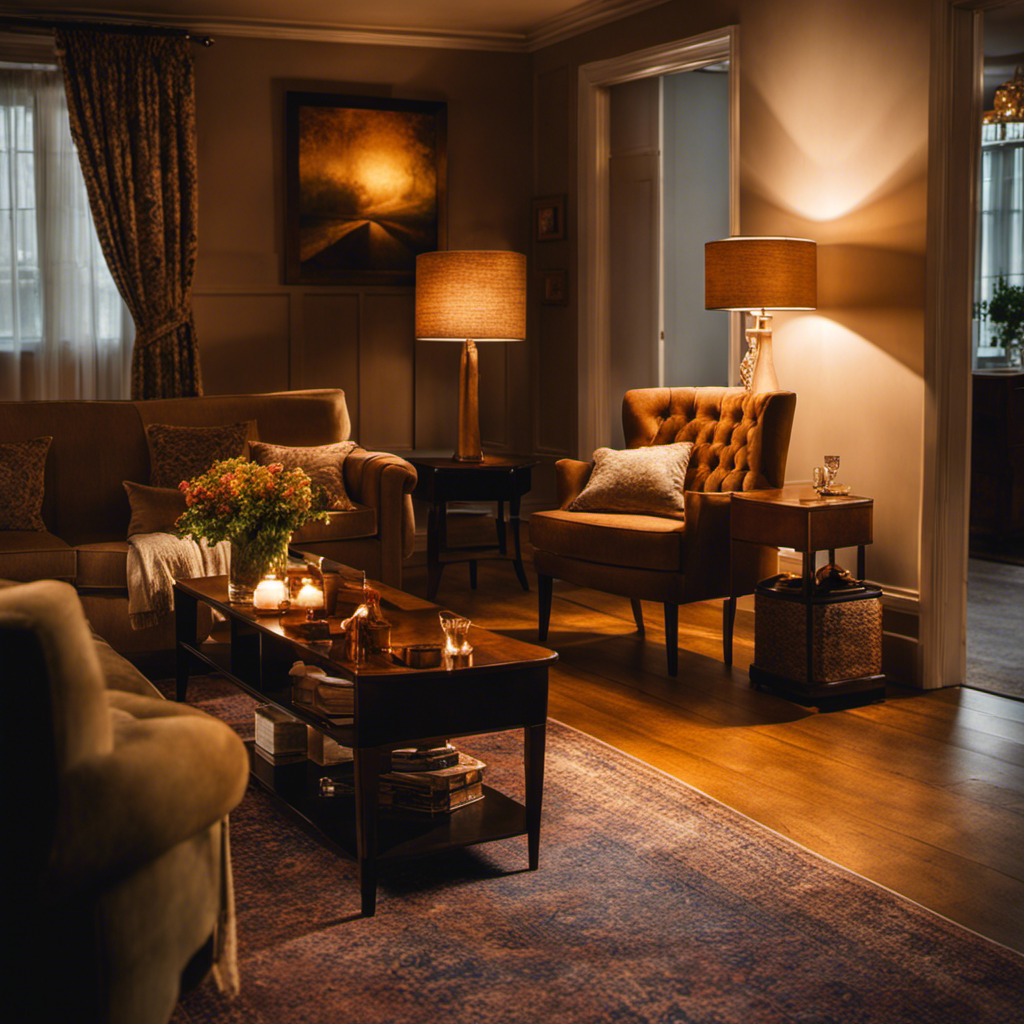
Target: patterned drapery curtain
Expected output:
[131,102]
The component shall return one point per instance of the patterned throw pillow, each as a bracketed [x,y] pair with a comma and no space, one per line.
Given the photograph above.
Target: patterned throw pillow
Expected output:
[646,480]
[154,509]
[22,472]
[181,453]
[323,463]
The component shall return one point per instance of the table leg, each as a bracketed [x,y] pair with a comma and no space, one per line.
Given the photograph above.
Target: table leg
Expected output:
[809,600]
[728,621]
[517,561]
[186,631]
[433,552]
[534,737]
[366,770]
[499,522]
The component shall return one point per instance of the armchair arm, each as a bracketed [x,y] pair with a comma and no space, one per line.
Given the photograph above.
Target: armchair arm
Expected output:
[173,772]
[571,477]
[709,567]
[385,482]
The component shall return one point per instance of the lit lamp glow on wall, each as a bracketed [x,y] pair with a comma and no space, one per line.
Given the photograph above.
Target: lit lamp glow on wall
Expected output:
[470,296]
[752,275]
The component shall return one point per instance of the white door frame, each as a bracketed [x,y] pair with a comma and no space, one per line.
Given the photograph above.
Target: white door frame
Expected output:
[595,79]
[955,116]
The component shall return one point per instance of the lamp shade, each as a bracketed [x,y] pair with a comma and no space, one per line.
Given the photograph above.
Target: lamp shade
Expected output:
[474,294]
[748,272]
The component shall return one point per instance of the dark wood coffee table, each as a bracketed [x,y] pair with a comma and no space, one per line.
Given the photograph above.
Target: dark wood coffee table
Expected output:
[505,687]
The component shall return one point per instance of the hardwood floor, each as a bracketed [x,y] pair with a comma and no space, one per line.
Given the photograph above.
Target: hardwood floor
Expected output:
[923,793]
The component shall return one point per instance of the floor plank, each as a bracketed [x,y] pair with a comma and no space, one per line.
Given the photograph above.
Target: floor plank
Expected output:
[922,793]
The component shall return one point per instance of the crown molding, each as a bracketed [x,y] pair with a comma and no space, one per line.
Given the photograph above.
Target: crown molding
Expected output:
[580,18]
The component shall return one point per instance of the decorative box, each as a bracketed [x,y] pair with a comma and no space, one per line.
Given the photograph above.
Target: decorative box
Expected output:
[278,734]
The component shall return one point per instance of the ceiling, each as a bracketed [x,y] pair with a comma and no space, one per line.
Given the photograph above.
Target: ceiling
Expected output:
[496,24]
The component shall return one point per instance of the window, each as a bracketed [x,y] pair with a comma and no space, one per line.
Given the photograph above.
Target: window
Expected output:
[1000,229]
[64,330]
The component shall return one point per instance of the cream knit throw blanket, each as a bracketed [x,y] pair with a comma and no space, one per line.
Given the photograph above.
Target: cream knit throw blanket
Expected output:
[155,561]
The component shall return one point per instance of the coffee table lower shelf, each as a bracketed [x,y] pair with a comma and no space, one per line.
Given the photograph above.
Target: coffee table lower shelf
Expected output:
[399,836]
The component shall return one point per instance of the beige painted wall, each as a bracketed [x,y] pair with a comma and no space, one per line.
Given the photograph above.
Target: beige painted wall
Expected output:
[833,146]
[255,333]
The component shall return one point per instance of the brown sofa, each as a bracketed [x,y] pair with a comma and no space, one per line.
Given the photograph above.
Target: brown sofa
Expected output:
[118,800]
[97,445]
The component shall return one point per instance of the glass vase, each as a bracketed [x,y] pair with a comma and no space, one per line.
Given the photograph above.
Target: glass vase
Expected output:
[252,559]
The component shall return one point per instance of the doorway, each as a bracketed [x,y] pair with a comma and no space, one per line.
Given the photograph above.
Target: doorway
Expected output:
[995,568]
[598,407]
[668,193]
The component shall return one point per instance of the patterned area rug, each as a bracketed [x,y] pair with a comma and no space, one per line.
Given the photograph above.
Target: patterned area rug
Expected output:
[653,903]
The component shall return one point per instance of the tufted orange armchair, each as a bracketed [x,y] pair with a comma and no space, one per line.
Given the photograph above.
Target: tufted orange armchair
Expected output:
[741,442]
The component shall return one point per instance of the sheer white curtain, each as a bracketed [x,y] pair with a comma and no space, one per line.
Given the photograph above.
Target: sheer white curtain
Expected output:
[64,331]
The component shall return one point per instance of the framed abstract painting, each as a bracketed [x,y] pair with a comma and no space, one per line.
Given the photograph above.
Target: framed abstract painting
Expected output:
[366,184]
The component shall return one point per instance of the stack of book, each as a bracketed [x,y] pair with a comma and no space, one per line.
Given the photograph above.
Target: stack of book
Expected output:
[431,782]
[280,739]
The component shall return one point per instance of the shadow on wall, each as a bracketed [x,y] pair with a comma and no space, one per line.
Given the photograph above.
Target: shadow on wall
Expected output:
[866,210]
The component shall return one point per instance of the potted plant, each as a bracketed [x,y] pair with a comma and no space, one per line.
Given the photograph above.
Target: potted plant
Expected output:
[1006,311]
[257,508]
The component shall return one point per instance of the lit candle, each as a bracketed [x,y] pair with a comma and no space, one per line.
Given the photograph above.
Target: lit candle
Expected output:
[309,596]
[269,594]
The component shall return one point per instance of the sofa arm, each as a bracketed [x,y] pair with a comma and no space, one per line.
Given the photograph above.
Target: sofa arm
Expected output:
[571,477]
[174,771]
[385,482]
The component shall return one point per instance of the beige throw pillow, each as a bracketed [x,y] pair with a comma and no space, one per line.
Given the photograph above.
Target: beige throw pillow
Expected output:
[22,479]
[182,453]
[646,480]
[154,509]
[324,463]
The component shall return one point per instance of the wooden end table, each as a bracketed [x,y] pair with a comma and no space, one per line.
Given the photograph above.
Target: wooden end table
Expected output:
[502,685]
[797,517]
[498,478]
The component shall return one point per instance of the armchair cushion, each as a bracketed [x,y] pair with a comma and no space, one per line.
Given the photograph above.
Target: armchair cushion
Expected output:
[28,554]
[611,538]
[648,481]
[360,521]
[324,463]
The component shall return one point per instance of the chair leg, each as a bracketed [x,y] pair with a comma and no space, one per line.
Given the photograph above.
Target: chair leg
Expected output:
[544,585]
[728,619]
[672,638]
[638,615]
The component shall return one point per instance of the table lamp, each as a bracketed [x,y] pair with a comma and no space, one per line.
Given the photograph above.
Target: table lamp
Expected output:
[755,274]
[470,296]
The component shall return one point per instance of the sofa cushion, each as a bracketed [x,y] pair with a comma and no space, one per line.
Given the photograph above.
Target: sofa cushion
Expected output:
[610,538]
[34,554]
[22,480]
[649,480]
[323,463]
[360,522]
[154,509]
[181,453]
[103,565]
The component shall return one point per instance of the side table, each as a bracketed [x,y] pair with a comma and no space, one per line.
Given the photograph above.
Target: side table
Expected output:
[797,517]
[498,478]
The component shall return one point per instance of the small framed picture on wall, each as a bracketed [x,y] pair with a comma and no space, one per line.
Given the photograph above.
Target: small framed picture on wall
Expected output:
[554,287]
[549,219]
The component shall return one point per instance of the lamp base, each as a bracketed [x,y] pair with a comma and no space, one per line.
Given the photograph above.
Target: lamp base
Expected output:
[469,449]
[757,371]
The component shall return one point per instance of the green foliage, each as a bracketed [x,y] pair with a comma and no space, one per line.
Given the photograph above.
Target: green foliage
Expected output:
[1006,310]
[246,503]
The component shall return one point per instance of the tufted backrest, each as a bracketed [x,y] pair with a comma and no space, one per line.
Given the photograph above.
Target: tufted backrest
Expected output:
[740,440]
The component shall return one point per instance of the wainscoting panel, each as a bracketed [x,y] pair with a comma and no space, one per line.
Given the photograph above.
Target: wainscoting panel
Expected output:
[243,342]
[387,372]
[329,356]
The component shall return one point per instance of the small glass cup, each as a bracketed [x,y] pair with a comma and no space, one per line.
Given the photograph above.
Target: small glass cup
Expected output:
[832,465]
[455,629]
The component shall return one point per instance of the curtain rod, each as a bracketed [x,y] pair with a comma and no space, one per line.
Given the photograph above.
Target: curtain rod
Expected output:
[15,23]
